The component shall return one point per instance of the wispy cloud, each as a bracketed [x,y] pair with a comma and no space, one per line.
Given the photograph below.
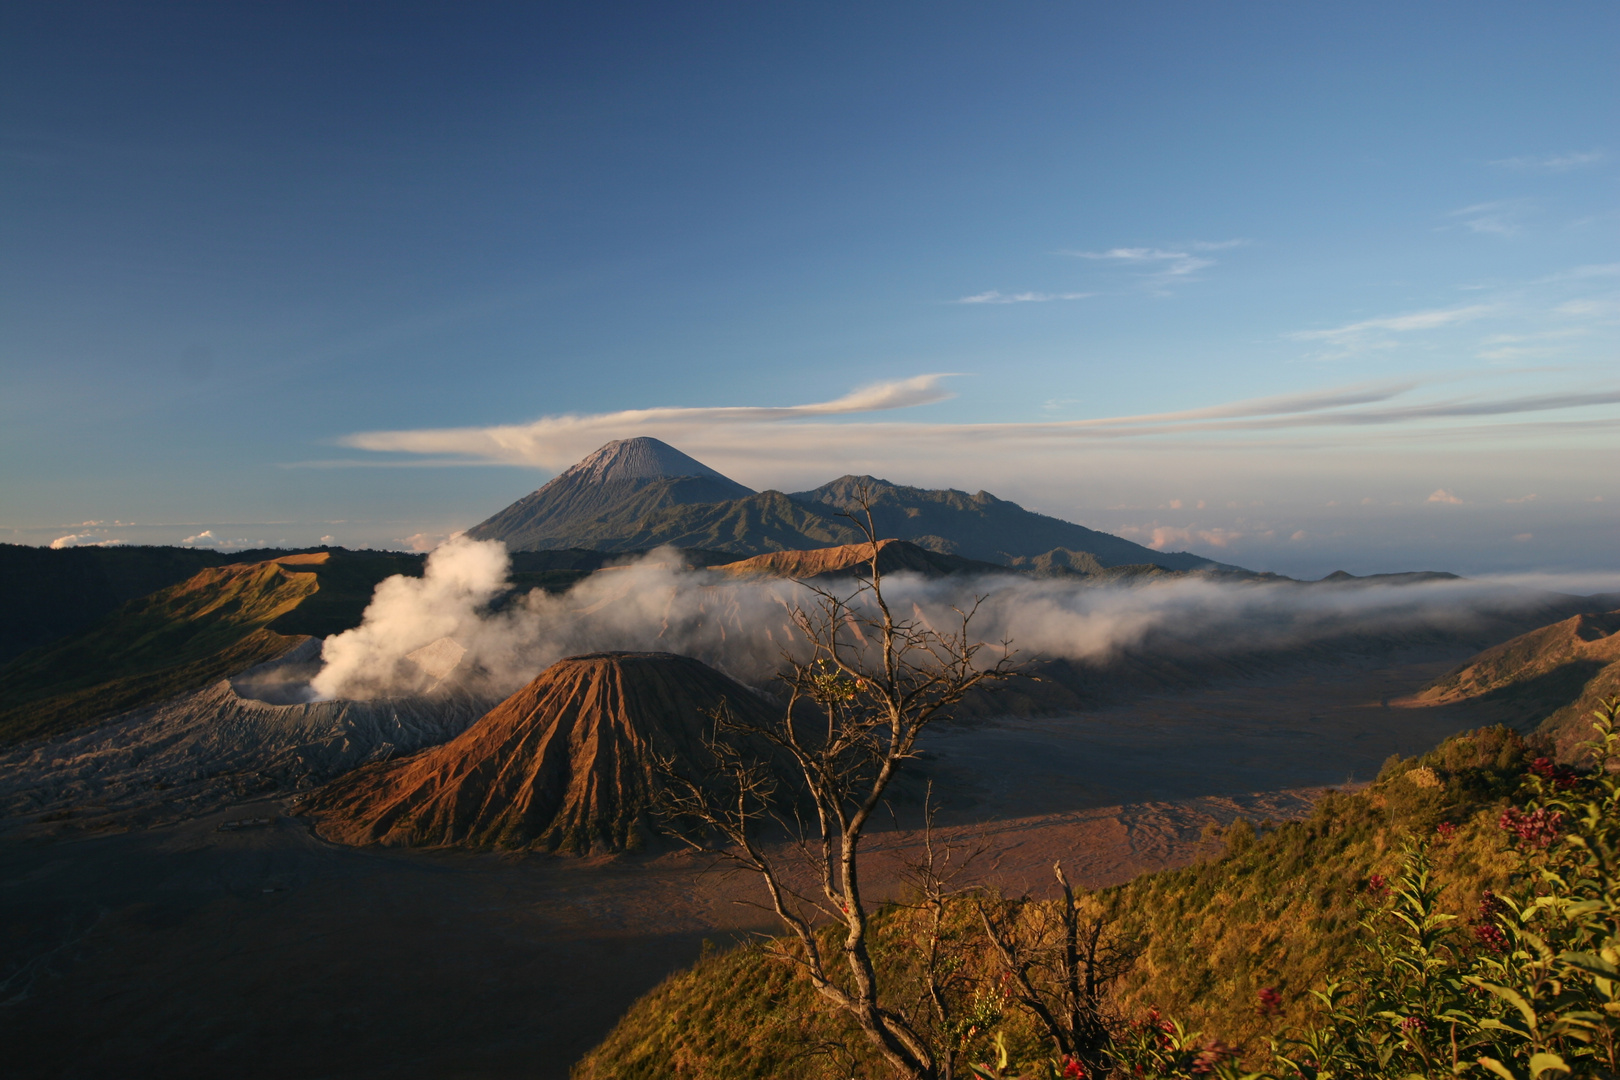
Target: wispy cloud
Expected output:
[1441,495]
[745,438]
[1311,401]
[395,463]
[1154,254]
[1162,266]
[1500,218]
[1548,343]
[1589,307]
[1555,163]
[1156,268]
[1582,273]
[1166,262]
[997,297]
[1417,320]
[1544,335]
[1519,403]
[554,439]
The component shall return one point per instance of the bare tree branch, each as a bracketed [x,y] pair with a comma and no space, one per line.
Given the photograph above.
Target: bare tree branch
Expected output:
[861,691]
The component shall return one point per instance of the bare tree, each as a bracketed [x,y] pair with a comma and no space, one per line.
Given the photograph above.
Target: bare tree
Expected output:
[1061,960]
[863,685]
[949,992]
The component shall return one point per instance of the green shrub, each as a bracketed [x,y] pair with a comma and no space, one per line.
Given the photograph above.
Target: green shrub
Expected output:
[1523,989]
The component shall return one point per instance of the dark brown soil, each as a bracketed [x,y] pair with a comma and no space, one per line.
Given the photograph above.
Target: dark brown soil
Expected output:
[186,951]
[262,951]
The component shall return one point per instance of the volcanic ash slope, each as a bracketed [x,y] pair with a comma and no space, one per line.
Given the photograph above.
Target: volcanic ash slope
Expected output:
[568,763]
[199,751]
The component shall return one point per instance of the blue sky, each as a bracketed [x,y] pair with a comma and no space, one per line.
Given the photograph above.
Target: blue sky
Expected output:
[270,273]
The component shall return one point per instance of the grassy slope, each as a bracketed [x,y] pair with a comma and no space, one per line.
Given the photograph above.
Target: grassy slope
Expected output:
[1283,913]
[215,623]
[1278,911]
[48,594]
[1560,671]
[894,556]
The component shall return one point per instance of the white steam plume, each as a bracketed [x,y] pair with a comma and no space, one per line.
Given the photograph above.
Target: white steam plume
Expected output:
[654,604]
[742,626]
[406,614]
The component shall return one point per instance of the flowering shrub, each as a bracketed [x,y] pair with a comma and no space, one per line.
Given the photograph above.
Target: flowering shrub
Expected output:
[1531,993]
[1538,827]
[1491,938]
[1561,777]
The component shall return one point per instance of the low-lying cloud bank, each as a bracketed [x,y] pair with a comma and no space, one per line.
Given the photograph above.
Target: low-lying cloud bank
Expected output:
[743,626]
[84,540]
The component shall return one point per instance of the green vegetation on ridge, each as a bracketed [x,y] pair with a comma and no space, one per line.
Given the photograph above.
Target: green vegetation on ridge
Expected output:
[216,623]
[1559,672]
[1232,946]
[48,593]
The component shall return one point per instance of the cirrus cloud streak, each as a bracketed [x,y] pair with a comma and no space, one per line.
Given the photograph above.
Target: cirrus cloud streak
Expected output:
[756,434]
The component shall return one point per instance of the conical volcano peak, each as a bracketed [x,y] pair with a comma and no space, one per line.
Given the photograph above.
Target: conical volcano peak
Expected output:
[638,494]
[605,500]
[639,459]
[571,762]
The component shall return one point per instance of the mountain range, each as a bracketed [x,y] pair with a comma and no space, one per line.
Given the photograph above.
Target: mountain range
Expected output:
[635,494]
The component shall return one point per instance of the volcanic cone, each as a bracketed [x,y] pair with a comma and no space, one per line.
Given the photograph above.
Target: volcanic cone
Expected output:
[567,763]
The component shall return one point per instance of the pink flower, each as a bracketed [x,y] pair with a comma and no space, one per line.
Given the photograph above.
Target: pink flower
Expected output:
[1213,1053]
[1491,937]
[1270,1001]
[1561,776]
[1160,1024]
[1446,830]
[1540,827]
